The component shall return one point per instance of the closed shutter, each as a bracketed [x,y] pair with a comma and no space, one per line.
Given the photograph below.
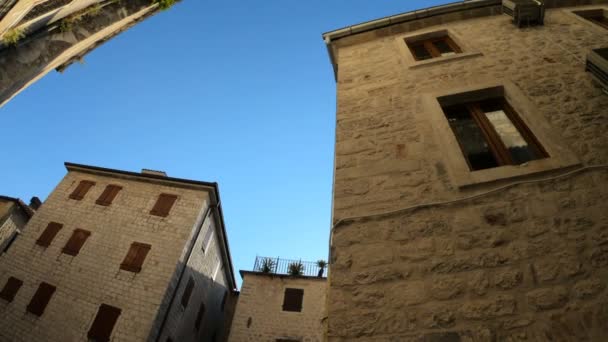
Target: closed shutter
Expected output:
[293,300]
[135,257]
[49,234]
[199,316]
[108,195]
[101,329]
[10,289]
[41,299]
[187,292]
[76,241]
[163,205]
[81,190]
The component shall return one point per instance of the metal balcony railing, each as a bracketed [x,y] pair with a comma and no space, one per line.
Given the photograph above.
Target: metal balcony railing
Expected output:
[282,266]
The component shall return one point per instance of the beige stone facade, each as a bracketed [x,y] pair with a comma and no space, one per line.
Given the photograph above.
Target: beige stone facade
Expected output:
[14,215]
[260,316]
[423,248]
[151,301]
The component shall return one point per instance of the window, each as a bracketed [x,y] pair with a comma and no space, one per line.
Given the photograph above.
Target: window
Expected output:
[49,234]
[223,305]
[163,205]
[41,299]
[207,238]
[491,134]
[187,292]
[108,195]
[199,317]
[10,289]
[135,257]
[74,244]
[596,16]
[81,190]
[101,329]
[293,300]
[433,47]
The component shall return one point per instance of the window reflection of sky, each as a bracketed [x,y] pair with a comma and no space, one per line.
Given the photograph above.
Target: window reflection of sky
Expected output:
[505,128]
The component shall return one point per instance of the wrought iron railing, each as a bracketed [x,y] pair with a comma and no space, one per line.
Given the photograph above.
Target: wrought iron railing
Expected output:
[282,266]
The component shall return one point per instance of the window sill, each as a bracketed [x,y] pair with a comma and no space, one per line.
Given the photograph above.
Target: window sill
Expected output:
[446,59]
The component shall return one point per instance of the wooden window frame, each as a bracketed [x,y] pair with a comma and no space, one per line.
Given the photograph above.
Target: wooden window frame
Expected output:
[81,190]
[164,204]
[75,242]
[431,48]
[187,292]
[104,323]
[41,299]
[136,256]
[11,288]
[108,195]
[48,234]
[293,300]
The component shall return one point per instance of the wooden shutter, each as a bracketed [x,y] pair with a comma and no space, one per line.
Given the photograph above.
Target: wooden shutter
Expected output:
[81,190]
[41,299]
[199,316]
[49,234]
[10,289]
[108,195]
[163,205]
[135,257]
[101,329]
[74,244]
[293,300]
[187,292]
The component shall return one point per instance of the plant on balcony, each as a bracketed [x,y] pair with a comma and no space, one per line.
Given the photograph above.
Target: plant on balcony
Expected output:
[295,268]
[13,36]
[165,4]
[321,264]
[267,265]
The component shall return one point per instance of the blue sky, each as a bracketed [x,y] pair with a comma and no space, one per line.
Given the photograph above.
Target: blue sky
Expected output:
[238,92]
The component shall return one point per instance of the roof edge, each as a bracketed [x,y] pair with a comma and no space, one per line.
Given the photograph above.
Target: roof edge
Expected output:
[28,210]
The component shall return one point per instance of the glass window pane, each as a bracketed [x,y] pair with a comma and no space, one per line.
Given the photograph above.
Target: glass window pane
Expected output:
[444,48]
[471,138]
[421,52]
[519,149]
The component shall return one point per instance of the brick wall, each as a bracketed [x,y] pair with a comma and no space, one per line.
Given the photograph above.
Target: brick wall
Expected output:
[526,263]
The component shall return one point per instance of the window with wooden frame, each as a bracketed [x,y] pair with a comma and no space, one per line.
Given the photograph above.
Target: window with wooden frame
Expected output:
[187,292]
[135,257]
[433,47]
[108,195]
[49,234]
[76,241]
[199,316]
[41,299]
[596,16]
[293,300]
[490,134]
[105,320]
[10,289]
[81,190]
[163,205]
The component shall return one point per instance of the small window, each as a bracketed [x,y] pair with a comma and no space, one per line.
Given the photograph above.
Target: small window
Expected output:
[199,317]
[49,234]
[163,205]
[101,329]
[187,292]
[224,298]
[207,238]
[76,241]
[135,257]
[433,48]
[81,190]
[596,16]
[41,299]
[293,300]
[10,289]
[108,195]
[491,134]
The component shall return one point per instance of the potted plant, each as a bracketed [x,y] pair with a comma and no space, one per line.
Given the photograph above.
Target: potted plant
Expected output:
[267,265]
[295,268]
[321,264]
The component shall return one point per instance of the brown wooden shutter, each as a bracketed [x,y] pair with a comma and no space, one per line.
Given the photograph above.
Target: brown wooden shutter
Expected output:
[108,195]
[163,205]
[81,190]
[101,329]
[135,257]
[293,300]
[199,316]
[41,299]
[49,234]
[10,289]
[74,244]
[187,292]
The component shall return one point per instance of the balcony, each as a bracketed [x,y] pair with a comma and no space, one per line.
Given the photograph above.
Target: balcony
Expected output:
[299,268]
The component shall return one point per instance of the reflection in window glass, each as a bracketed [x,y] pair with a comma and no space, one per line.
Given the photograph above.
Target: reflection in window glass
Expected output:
[510,136]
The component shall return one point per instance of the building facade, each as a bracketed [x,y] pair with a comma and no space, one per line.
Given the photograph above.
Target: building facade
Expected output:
[14,215]
[470,180]
[121,256]
[275,307]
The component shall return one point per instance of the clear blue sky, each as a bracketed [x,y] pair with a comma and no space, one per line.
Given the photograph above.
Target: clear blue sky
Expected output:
[238,92]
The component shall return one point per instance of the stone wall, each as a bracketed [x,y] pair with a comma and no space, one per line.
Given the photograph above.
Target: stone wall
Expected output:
[259,315]
[15,219]
[529,262]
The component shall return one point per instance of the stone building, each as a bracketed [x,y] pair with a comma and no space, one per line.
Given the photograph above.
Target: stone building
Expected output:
[14,215]
[277,307]
[471,183]
[38,36]
[121,256]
